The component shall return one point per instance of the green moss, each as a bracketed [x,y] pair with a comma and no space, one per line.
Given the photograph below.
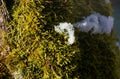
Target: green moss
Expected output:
[37,52]
[101,7]
[97,57]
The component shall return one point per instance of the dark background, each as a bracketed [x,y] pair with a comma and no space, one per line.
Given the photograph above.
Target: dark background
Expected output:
[116,14]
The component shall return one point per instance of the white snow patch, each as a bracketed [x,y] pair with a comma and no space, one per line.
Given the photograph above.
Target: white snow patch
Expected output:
[67,29]
[99,23]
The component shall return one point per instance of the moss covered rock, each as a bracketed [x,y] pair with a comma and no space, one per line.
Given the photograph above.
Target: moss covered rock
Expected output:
[38,52]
